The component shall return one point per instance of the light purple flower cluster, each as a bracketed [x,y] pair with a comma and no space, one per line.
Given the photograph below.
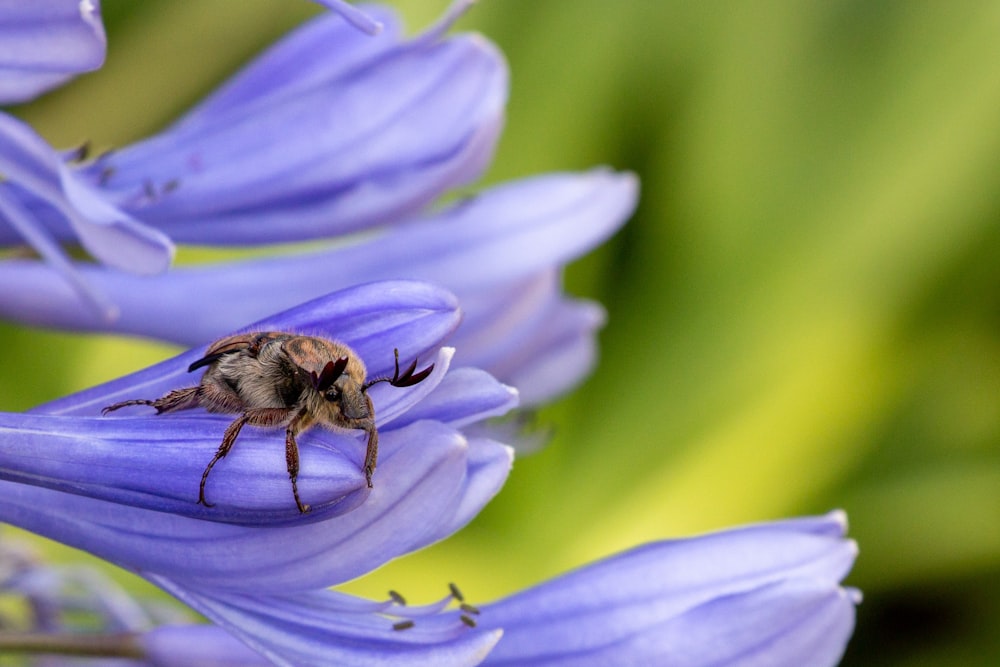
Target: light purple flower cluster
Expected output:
[335,133]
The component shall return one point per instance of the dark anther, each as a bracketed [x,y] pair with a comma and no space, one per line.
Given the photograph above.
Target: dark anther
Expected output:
[469,609]
[170,186]
[468,620]
[80,153]
[455,593]
[105,175]
[325,379]
[397,598]
[402,625]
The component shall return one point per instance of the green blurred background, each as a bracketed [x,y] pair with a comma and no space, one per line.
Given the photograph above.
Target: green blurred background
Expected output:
[804,313]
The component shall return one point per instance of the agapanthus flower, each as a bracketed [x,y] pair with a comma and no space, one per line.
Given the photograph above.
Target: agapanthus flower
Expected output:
[332,133]
[43,43]
[328,133]
[766,594]
[124,488]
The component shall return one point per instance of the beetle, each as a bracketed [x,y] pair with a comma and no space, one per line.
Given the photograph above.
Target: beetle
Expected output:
[275,379]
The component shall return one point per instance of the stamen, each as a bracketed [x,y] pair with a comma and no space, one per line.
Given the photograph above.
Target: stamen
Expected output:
[408,615]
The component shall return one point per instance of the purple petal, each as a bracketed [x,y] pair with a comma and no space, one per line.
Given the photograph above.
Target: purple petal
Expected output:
[558,356]
[360,150]
[156,464]
[489,462]
[36,174]
[530,336]
[424,481]
[789,623]
[465,395]
[764,594]
[316,53]
[62,207]
[395,402]
[45,42]
[110,236]
[22,223]
[488,244]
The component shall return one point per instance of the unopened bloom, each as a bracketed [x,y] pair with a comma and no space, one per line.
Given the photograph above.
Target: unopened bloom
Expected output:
[766,594]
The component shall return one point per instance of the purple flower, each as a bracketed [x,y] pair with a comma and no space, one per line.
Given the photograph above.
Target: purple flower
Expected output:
[45,42]
[762,594]
[498,252]
[767,594]
[328,133]
[124,488]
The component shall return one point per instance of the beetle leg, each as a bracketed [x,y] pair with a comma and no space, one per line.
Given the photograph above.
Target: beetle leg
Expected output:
[371,454]
[258,417]
[298,424]
[178,399]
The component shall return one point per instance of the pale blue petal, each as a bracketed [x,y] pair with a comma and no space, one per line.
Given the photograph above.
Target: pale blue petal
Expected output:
[46,42]
[155,463]
[361,150]
[318,52]
[761,595]
[65,207]
[488,245]
[465,395]
[529,335]
[425,480]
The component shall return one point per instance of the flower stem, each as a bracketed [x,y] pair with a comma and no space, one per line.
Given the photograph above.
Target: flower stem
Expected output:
[121,645]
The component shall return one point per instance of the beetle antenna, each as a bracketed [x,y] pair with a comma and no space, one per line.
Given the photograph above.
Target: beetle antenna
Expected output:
[407,378]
